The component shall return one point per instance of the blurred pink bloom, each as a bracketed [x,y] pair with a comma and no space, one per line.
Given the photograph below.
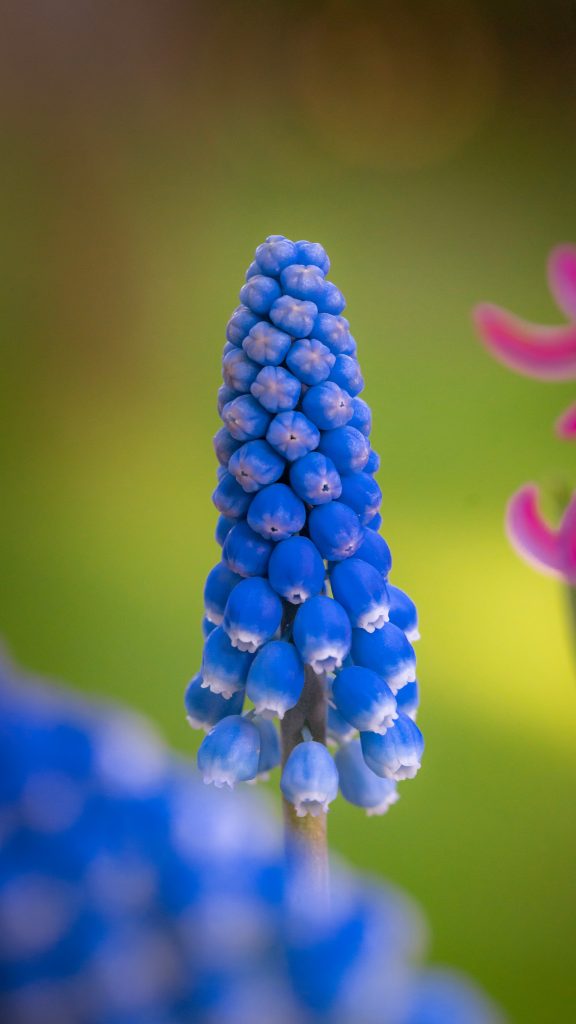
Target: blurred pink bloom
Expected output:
[548,353]
[566,424]
[550,550]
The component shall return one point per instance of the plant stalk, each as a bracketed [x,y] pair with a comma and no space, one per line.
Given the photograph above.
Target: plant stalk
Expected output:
[305,838]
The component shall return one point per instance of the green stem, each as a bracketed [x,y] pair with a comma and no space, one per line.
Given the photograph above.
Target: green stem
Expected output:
[306,837]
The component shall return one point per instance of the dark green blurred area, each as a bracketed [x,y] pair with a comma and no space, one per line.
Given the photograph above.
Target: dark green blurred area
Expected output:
[148,148]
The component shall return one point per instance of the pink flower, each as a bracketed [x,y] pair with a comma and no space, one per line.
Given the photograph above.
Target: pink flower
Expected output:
[550,550]
[548,353]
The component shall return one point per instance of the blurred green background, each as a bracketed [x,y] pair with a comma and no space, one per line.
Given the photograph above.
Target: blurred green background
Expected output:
[147,149]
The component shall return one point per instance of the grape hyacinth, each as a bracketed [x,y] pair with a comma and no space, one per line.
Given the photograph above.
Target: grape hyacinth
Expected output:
[301,623]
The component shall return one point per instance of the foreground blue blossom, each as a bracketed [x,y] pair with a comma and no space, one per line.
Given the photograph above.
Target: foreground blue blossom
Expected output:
[302,589]
[131,894]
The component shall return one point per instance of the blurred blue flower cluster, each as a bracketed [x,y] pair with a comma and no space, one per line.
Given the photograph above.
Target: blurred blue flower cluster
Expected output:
[302,584]
[131,894]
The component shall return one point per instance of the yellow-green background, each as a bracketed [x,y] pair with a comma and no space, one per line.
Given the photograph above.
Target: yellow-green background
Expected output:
[148,148]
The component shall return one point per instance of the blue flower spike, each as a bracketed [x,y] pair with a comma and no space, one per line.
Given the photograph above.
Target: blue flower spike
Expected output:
[300,619]
[310,779]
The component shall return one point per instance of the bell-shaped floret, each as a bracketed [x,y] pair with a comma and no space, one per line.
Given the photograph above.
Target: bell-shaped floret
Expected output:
[361,417]
[295,316]
[375,550]
[387,652]
[360,491]
[260,293]
[334,332]
[255,465]
[292,435]
[276,513]
[361,590]
[224,667]
[296,570]
[312,253]
[223,526]
[408,700]
[327,405]
[276,679]
[310,361]
[252,615]
[310,779]
[363,699]
[358,783]
[239,324]
[336,530]
[338,729]
[274,254]
[322,633]
[347,447]
[396,754]
[245,418]
[403,613]
[270,752]
[276,389]
[225,445]
[303,282]
[230,752]
[252,270]
[331,300]
[266,345]
[315,479]
[230,499]
[347,374]
[245,552]
[204,708]
[238,371]
[220,583]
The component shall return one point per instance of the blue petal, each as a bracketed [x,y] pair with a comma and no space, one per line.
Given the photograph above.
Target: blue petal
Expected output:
[359,785]
[397,753]
[220,583]
[253,614]
[230,752]
[276,389]
[276,678]
[276,513]
[310,361]
[310,779]
[260,293]
[266,345]
[347,447]
[386,651]
[275,253]
[293,435]
[255,465]
[296,570]
[363,699]
[322,633]
[245,552]
[204,708]
[315,479]
[245,418]
[224,667]
[328,405]
[361,492]
[336,530]
[294,316]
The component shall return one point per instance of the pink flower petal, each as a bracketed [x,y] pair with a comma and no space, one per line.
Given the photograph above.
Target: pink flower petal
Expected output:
[562,278]
[566,424]
[568,541]
[536,541]
[545,352]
